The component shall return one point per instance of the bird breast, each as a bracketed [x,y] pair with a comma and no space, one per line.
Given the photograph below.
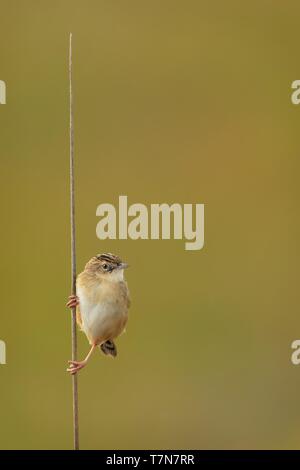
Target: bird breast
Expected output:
[103,309]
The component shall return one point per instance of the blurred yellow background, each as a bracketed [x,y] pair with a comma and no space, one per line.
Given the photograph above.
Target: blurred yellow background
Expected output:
[175,101]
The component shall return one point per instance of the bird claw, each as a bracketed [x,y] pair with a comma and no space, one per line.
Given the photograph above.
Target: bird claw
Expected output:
[75,366]
[73,301]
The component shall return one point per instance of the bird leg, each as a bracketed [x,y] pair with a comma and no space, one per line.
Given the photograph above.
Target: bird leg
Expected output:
[75,366]
[73,301]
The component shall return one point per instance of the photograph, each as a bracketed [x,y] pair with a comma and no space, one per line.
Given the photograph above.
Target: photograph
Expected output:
[149,184]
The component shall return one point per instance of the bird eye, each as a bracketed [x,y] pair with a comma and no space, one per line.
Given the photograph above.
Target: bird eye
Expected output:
[104,266]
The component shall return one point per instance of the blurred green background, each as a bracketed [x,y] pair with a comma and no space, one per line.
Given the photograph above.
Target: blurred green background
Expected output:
[175,101]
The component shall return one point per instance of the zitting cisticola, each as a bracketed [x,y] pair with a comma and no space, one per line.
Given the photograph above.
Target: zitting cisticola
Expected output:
[102,303]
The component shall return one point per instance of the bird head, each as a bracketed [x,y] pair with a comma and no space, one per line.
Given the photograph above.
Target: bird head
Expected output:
[107,266]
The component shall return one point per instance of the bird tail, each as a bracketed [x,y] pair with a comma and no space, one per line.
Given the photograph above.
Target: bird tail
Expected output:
[109,348]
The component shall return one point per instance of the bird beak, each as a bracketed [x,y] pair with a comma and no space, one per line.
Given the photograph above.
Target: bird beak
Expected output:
[123,266]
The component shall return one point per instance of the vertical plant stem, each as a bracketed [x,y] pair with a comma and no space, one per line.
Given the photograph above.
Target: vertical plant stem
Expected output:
[73,258]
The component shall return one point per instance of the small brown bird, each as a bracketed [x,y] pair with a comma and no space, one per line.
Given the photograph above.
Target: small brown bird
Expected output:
[102,303]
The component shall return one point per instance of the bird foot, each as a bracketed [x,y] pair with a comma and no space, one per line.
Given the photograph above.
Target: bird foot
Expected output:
[73,301]
[75,366]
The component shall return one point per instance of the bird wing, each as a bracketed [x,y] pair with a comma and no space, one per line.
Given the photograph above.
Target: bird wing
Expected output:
[126,295]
